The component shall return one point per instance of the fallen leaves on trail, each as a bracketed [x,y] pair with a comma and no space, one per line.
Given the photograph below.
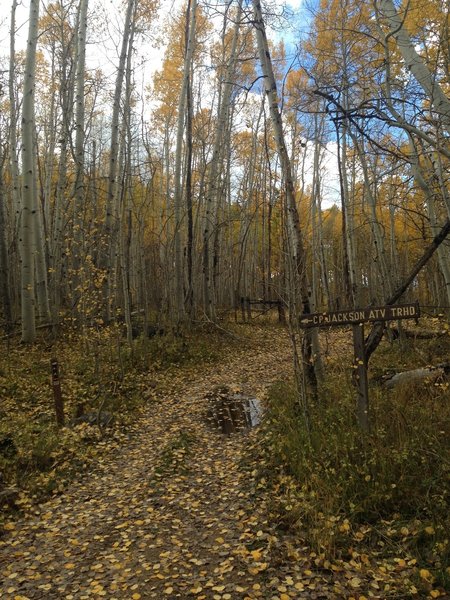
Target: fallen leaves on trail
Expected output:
[178,512]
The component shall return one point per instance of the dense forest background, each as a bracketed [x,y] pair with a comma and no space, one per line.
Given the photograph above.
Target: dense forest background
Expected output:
[313,172]
[169,174]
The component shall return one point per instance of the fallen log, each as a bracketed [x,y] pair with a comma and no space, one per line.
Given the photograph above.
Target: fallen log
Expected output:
[417,335]
[424,374]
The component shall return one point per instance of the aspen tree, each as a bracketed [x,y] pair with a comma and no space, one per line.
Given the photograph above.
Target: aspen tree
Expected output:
[109,253]
[213,186]
[5,296]
[191,17]
[413,61]
[123,195]
[79,185]
[295,238]
[13,154]
[29,200]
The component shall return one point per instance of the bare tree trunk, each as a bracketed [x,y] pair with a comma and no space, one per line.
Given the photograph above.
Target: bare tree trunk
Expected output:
[375,336]
[40,258]
[295,240]
[191,17]
[29,199]
[13,156]
[79,185]
[377,231]
[414,62]
[5,297]
[214,187]
[348,266]
[189,295]
[111,212]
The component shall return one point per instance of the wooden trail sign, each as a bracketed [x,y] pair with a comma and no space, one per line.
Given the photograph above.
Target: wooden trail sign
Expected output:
[357,317]
[361,315]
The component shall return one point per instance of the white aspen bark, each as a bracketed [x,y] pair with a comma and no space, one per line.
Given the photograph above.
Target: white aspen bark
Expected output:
[295,240]
[79,188]
[57,225]
[348,216]
[49,151]
[377,230]
[414,62]
[61,212]
[442,251]
[272,97]
[124,199]
[317,264]
[5,297]
[248,179]
[111,209]
[13,156]
[220,145]
[316,199]
[40,259]
[29,207]
[178,212]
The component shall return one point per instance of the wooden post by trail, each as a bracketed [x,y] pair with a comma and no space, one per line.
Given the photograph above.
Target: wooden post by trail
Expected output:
[362,401]
[57,395]
[356,317]
[281,312]
[243,308]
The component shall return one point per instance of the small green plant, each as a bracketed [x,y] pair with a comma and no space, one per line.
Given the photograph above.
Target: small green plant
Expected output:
[176,454]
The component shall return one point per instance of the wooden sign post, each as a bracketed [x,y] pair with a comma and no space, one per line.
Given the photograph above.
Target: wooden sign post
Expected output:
[57,394]
[357,317]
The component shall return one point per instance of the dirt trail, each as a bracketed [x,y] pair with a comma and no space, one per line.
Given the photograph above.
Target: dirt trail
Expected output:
[173,515]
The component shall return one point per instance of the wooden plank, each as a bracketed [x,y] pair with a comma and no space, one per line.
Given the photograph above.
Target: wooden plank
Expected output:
[361,315]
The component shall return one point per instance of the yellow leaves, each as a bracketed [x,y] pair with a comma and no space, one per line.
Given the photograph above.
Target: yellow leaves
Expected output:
[168,590]
[355,582]
[426,575]
[136,596]
[196,589]
[401,563]
[345,527]
[256,554]
[429,530]
[258,568]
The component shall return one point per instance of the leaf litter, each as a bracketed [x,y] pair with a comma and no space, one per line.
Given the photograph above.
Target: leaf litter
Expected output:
[180,512]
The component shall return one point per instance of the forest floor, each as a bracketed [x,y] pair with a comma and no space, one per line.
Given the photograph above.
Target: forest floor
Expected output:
[177,510]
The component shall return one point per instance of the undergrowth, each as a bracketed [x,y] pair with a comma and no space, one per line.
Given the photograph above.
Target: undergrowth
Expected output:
[100,376]
[388,490]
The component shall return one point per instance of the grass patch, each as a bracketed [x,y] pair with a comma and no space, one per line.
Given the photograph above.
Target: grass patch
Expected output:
[340,489]
[98,371]
[176,454]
